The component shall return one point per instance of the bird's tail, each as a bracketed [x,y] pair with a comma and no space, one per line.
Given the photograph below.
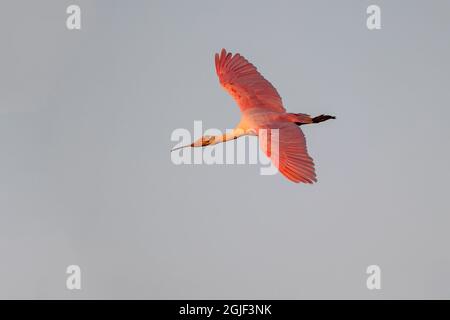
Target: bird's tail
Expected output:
[301,118]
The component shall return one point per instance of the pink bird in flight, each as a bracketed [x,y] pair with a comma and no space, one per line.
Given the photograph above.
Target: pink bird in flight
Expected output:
[262,108]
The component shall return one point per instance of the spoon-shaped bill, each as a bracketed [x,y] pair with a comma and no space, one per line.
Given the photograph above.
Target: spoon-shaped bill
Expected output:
[177,148]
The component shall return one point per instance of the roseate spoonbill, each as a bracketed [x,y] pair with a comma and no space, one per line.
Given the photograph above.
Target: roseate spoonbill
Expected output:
[261,108]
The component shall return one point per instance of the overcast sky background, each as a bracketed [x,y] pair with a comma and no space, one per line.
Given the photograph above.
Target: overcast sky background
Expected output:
[86,176]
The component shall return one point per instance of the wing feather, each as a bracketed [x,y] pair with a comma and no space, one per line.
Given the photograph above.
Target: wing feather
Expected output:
[289,153]
[245,84]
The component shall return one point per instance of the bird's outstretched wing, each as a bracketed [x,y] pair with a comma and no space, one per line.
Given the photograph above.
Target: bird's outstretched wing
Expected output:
[245,84]
[289,153]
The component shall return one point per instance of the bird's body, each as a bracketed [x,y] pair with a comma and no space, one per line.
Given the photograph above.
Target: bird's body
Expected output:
[262,108]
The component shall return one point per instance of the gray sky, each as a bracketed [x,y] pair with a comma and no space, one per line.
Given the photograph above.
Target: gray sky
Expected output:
[86,176]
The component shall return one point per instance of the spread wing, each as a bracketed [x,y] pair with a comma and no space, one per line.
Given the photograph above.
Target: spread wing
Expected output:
[245,84]
[289,153]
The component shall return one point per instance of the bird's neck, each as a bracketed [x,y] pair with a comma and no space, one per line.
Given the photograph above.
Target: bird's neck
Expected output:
[230,135]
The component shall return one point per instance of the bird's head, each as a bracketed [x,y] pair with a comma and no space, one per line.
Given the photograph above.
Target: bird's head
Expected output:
[204,141]
[201,142]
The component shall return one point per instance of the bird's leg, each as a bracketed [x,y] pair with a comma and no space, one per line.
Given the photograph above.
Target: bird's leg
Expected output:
[322,118]
[300,118]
